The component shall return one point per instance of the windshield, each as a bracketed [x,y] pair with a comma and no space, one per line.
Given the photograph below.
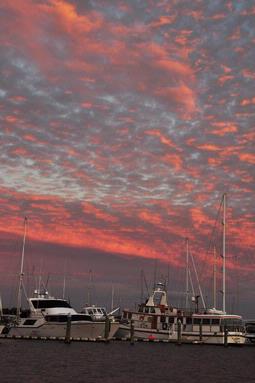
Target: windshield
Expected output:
[49,303]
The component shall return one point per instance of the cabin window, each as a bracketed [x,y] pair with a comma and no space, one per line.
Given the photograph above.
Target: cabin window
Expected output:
[215,322]
[146,309]
[232,324]
[78,317]
[171,320]
[162,319]
[56,318]
[206,321]
[49,303]
[196,321]
[29,322]
[152,310]
[250,328]
[188,320]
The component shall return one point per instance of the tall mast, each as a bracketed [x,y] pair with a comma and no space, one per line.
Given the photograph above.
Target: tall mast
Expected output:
[112,298]
[1,307]
[224,255]
[141,279]
[187,272]
[21,269]
[214,278]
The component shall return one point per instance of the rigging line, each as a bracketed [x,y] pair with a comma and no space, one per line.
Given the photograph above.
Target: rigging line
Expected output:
[191,283]
[199,286]
[212,235]
[214,227]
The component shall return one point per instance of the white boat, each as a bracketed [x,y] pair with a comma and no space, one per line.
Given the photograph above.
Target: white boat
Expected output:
[95,312]
[155,319]
[48,318]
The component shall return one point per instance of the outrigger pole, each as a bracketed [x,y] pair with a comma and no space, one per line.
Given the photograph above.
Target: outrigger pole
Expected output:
[21,269]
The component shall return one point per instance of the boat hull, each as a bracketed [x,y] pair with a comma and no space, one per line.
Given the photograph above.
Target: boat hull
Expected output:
[186,337]
[90,330]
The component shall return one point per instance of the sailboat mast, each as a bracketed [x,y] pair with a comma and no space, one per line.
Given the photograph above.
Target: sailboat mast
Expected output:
[187,272]
[21,269]
[214,278]
[112,298]
[224,255]
[1,307]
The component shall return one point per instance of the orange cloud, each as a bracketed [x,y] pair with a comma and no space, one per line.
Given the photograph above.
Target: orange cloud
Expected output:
[157,133]
[224,128]
[173,159]
[209,147]
[175,66]
[248,102]
[182,95]
[247,157]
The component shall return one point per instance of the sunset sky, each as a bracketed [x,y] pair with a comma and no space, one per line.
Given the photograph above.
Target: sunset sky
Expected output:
[122,123]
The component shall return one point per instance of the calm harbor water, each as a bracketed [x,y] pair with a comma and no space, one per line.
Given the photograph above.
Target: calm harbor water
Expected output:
[118,362]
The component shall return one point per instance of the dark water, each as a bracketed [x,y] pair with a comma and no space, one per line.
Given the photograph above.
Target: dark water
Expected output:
[119,362]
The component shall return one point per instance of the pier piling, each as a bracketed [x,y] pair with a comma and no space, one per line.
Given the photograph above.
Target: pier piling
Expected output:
[107,328]
[132,332]
[225,337]
[68,329]
[179,332]
[200,332]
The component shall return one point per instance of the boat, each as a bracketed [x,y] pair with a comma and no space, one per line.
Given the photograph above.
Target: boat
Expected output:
[95,312]
[250,331]
[49,316]
[156,319]
[99,313]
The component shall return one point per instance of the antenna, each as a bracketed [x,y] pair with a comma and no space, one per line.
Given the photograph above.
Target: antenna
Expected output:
[21,270]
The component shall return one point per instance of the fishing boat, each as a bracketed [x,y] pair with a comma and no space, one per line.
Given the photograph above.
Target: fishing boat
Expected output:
[156,319]
[49,316]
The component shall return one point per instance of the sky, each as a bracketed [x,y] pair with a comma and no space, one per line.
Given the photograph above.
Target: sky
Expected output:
[122,123]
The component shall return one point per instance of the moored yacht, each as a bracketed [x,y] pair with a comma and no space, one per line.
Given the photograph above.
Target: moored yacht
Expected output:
[48,317]
[155,319]
[95,312]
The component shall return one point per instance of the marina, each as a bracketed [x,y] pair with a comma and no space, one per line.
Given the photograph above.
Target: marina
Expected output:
[48,318]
